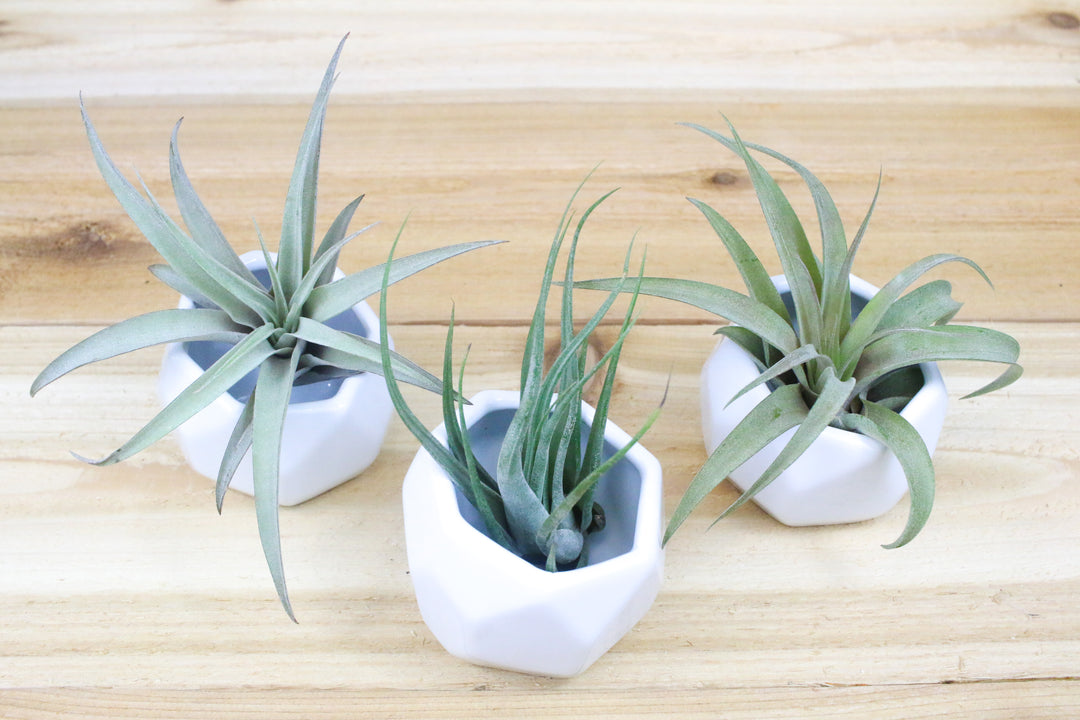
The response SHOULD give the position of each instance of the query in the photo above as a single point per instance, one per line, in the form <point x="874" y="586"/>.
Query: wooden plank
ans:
<point x="55" y="48"/>
<point x="125" y="577"/>
<point x="1039" y="700"/>
<point x="987" y="179"/>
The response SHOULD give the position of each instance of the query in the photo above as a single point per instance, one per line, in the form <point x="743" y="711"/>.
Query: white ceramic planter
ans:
<point x="488" y="606"/>
<point x="843" y="476"/>
<point x="333" y="430"/>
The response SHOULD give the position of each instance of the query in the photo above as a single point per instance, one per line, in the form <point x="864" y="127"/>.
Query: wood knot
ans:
<point x="1063" y="20"/>
<point x="88" y="239"/>
<point x="724" y="177"/>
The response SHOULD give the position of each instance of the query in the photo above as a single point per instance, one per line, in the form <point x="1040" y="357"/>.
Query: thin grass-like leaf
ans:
<point x="281" y="308"/>
<point x="588" y="484"/>
<point x="454" y="467"/>
<point x="845" y="271"/>
<point x="486" y="500"/>
<point x="141" y="331"/>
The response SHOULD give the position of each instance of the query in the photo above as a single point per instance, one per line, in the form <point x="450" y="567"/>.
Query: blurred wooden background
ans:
<point x="122" y="592"/>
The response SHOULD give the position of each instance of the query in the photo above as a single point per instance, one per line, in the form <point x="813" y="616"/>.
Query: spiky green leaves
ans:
<point x="832" y="369"/>
<point x="278" y="328"/>
<point x="538" y="503"/>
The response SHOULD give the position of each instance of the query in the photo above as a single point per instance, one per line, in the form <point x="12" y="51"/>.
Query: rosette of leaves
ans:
<point x="823" y="366"/>
<point x="538" y="501"/>
<point x="279" y="330"/>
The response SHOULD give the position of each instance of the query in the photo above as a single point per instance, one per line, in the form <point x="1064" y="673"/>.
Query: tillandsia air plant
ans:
<point x="278" y="330"/>
<point x="538" y="502"/>
<point x="823" y="366"/>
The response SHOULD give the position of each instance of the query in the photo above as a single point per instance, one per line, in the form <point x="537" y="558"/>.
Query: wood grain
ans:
<point x="125" y="577"/>
<point x="990" y="181"/>
<point x="57" y="48"/>
<point x="124" y="594"/>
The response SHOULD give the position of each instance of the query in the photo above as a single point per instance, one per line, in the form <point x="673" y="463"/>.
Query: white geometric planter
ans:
<point x="843" y="476"/>
<point x="490" y="607"/>
<point x="333" y="430"/>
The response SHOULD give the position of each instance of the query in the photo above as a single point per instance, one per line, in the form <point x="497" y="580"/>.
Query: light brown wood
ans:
<point x="124" y="594"/>
<point x="226" y="47"/>
<point x="989" y="181"/>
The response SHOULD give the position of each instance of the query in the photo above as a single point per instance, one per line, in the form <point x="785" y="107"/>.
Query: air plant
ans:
<point x="823" y="366"/>
<point x="538" y="501"/>
<point x="278" y="330"/>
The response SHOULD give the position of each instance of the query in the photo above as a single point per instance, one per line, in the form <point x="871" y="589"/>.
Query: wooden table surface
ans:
<point x="124" y="594"/>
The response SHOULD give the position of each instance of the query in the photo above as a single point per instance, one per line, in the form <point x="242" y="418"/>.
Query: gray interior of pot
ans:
<point x="617" y="492"/>
<point x="206" y="352"/>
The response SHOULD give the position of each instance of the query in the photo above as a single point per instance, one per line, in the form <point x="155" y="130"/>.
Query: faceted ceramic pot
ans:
<point x="488" y="606"/>
<point x="843" y="476"/>
<point x="333" y="429"/>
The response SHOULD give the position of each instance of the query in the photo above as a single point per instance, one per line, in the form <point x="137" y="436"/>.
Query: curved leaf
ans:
<point x="318" y="269"/>
<point x="352" y="352"/>
<point x="801" y="266"/>
<point x="457" y="470"/>
<point x="944" y="342"/>
<point x="897" y="434"/>
<point x="863" y="326"/>
<point x="177" y="249"/>
<point x="728" y="304"/>
<point x="828" y="405"/>
<point x="271" y="394"/>
<point x="177" y="282"/>
<point x="782" y="410"/>
<point x="835" y="290"/>
<point x="237" y="362"/>
<point x="758" y="283"/>
<point x="802" y="355"/>
<point x="298" y="219"/>
<point x="141" y="331"/>
<point x="235" y="449"/>
<point x="200" y="223"/>
<point x="326" y="301"/>
<point x="336" y="232"/>
<point x="926" y="305"/>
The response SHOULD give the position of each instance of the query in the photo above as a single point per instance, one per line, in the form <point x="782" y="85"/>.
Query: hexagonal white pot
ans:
<point x="333" y="430"/>
<point x="843" y="476"/>
<point x="488" y="606"/>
